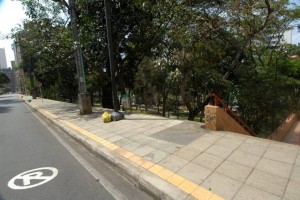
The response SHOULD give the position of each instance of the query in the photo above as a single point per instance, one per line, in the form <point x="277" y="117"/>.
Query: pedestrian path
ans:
<point x="177" y="159"/>
<point x="293" y="137"/>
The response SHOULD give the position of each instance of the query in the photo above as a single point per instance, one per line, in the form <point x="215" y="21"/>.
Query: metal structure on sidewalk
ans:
<point x="231" y="113"/>
<point x="84" y="99"/>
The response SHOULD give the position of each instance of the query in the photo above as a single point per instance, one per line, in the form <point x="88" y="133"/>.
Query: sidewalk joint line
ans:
<point x="180" y="182"/>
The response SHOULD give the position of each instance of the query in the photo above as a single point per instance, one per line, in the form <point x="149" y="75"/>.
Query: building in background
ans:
<point x="18" y="73"/>
<point x="17" y="84"/>
<point x="17" y="53"/>
<point x="275" y="40"/>
<point x="3" y="63"/>
<point x="287" y="37"/>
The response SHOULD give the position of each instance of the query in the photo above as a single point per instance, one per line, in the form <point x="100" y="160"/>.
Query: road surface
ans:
<point x="40" y="162"/>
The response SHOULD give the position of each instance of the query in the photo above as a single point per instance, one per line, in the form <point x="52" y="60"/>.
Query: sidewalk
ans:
<point x="293" y="137"/>
<point x="180" y="160"/>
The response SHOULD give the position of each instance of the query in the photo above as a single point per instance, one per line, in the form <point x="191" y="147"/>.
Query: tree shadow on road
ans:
<point x="1" y="198"/>
<point x="9" y="101"/>
<point x="5" y="109"/>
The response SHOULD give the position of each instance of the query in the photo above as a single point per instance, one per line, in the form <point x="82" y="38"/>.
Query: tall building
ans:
<point x="285" y="38"/>
<point x="16" y="78"/>
<point x="19" y="73"/>
<point x="3" y="63"/>
<point x="275" y="40"/>
<point x="17" y="53"/>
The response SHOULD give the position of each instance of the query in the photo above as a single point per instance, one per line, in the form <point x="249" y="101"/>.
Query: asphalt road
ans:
<point x="40" y="162"/>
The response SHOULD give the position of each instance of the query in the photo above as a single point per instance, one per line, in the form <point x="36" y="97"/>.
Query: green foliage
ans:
<point x="3" y="79"/>
<point x="170" y="51"/>
<point x="47" y="48"/>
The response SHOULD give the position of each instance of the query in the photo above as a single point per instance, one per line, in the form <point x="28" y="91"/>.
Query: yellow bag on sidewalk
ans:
<point x="106" y="117"/>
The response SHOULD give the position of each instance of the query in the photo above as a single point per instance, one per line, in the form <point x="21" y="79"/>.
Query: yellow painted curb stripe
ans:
<point x="187" y="186"/>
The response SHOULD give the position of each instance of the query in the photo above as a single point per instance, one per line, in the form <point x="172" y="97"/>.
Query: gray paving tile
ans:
<point x="297" y="162"/>
<point x="123" y="142"/>
<point x="236" y="136"/>
<point x="128" y="134"/>
<point x="295" y="176"/>
<point x="250" y="193"/>
<point x="200" y="145"/>
<point x="207" y="160"/>
<point x="267" y="182"/>
<point x="156" y="156"/>
<point x="212" y="136"/>
<point x="152" y="130"/>
<point x="143" y="150"/>
<point x="188" y="153"/>
<point x="115" y="138"/>
<point x="234" y="170"/>
<point x="178" y="134"/>
<point x="160" y="144"/>
<point x="132" y="146"/>
<point x="98" y="132"/>
<point x="292" y="191"/>
<point x="194" y="173"/>
<point x="88" y="127"/>
<point x="279" y="155"/>
<point x="136" y="137"/>
<point x="229" y="143"/>
<point x="254" y="148"/>
<point x="275" y="167"/>
<point x="139" y="130"/>
<point x="284" y="147"/>
<point x="258" y="141"/>
<point x="121" y="131"/>
<point x="222" y="185"/>
<point x="244" y="158"/>
<point x="93" y="129"/>
<point x="219" y="151"/>
<point x="108" y="135"/>
<point x="173" y="163"/>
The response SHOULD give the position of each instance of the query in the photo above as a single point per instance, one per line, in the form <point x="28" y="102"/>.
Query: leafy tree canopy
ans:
<point x="3" y="79"/>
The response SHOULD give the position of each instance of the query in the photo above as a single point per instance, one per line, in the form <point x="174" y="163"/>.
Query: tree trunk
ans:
<point x="107" y="101"/>
<point x="191" y="115"/>
<point x="32" y="91"/>
<point x="164" y="106"/>
<point x="92" y="97"/>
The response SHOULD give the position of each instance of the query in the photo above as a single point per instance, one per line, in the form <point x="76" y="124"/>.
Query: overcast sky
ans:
<point x="11" y="14"/>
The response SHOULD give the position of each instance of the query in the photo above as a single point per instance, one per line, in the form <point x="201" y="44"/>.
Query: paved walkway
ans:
<point x="293" y="137"/>
<point x="181" y="160"/>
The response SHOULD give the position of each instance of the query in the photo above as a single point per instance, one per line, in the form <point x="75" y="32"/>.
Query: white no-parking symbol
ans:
<point x="32" y="178"/>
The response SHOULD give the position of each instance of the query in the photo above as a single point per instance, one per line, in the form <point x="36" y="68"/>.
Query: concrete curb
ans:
<point x="142" y="178"/>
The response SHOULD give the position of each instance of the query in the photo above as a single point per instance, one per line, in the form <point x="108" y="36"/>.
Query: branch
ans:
<point x="250" y="37"/>
<point x="63" y="3"/>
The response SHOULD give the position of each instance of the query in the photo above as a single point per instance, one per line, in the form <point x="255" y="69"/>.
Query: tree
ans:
<point x="173" y="51"/>
<point x="47" y="49"/>
<point x="3" y="79"/>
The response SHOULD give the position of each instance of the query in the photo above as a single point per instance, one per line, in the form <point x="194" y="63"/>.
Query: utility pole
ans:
<point x="84" y="99"/>
<point x="31" y="77"/>
<point x="116" y="115"/>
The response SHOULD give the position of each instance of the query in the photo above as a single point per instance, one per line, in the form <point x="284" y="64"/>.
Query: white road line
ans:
<point x="95" y="173"/>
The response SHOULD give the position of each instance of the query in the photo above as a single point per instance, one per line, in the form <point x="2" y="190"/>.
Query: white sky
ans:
<point x="11" y="14"/>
